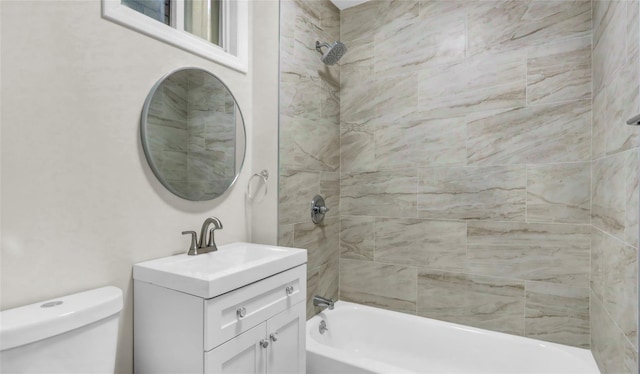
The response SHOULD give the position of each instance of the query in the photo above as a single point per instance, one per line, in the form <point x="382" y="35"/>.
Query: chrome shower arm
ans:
<point x="320" y="45"/>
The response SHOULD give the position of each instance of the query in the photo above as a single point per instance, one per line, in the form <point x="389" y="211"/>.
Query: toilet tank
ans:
<point x="71" y="334"/>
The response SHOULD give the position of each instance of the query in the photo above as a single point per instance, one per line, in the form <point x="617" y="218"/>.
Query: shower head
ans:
<point x="333" y="54"/>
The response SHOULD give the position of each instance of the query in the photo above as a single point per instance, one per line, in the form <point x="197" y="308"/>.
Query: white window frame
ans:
<point x="235" y="24"/>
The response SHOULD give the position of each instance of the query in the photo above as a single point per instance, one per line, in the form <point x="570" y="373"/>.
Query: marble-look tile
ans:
<point x="632" y="193"/>
<point x="360" y="21"/>
<point x="442" y="10"/>
<point x="409" y="44"/>
<point x="601" y="16"/>
<point x="475" y="300"/>
<point x="285" y="235"/>
<point x="536" y="134"/>
<point x="322" y="281"/>
<point x="297" y="188"/>
<point x="385" y="193"/>
<point x="608" y="50"/>
<point x="357" y="237"/>
<point x="557" y="313"/>
<point x="330" y="98"/>
<point x="357" y="147"/>
<point x="309" y="144"/>
<point x="599" y="242"/>
<point x="607" y="342"/>
<point x="559" y="193"/>
<point x="633" y="28"/>
<point x="320" y="240"/>
<point x="559" y="71"/>
<point x="630" y="358"/>
<point x="429" y="142"/>
<point x="396" y="97"/>
<point x="306" y="60"/>
<point x="330" y="191"/>
<point x="396" y="14"/>
<point x="530" y="251"/>
<point x="383" y="286"/>
<point x="358" y="100"/>
<point x="621" y="286"/>
<point x="472" y="193"/>
<point x="599" y="124"/>
<point x="357" y="64"/>
<point x="501" y="25"/>
<point x="299" y="96"/>
<point x="484" y="82"/>
<point x="330" y="19"/>
<point x="432" y="244"/>
<point x="612" y="177"/>
<point x="622" y="103"/>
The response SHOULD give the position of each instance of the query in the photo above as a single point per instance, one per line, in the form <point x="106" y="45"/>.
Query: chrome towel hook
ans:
<point x="264" y="176"/>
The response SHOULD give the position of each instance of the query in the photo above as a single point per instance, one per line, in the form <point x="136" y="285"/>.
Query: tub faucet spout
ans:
<point x="322" y="302"/>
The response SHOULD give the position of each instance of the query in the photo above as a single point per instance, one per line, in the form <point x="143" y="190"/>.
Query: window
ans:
<point x="214" y="29"/>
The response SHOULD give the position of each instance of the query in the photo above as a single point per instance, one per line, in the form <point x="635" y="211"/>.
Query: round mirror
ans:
<point x="193" y="134"/>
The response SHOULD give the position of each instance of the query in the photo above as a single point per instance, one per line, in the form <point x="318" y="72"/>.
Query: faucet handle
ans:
<point x="194" y="239"/>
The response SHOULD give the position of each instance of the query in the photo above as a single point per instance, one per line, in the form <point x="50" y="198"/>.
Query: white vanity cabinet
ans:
<point x="274" y="346"/>
<point x="256" y="328"/>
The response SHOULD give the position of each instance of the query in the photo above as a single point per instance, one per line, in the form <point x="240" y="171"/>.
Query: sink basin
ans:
<point x="212" y="274"/>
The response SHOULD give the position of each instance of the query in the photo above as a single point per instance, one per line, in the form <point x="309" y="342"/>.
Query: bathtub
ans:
<point x="362" y="339"/>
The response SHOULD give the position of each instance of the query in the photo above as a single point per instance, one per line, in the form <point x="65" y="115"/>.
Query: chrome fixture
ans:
<point x="634" y="121"/>
<point x="263" y="176"/>
<point x="198" y="247"/>
<point x="322" y="302"/>
<point x="333" y="54"/>
<point x="318" y="209"/>
<point x="323" y="327"/>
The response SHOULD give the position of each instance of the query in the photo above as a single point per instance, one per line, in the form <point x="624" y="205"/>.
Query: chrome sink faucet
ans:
<point x="322" y="302"/>
<point x="198" y="246"/>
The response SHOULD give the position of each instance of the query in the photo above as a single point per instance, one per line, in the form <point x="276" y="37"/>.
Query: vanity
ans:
<point x="240" y="309"/>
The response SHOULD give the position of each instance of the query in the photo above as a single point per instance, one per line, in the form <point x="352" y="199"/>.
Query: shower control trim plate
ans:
<point x="318" y="209"/>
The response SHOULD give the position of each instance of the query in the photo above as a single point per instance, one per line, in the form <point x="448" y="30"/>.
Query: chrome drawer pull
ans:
<point x="241" y="312"/>
<point x="274" y="336"/>
<point x="289" y="290"/>
<point x="264" y="343"/>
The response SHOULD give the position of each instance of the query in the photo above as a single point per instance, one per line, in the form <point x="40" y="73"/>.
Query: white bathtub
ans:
<point x="363" y="339"/>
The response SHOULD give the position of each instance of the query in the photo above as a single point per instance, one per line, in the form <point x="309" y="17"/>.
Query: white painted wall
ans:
<point x="80" y="205"/>
<point x="264" y="65"/>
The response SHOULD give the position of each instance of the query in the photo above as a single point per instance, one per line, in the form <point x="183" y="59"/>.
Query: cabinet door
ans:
<point x="287" y="352"/>
<point x="242" y="354"/>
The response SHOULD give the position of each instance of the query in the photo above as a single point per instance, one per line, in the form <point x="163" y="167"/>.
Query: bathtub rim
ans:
<point x="314" y="347"/>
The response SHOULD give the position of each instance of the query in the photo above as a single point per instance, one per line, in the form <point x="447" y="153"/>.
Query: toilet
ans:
<point x="71" y="334"/>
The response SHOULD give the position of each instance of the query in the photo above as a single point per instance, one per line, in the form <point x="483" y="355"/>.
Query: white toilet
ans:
<point x="71" y="334"/>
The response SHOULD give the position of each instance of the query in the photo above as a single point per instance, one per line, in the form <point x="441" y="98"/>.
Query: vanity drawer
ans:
<point x="230" y="314"/>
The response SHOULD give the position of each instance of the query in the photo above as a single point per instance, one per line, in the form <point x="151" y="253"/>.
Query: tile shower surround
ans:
<point x="310" y="140"/>
<point x="466" y="163"/>
<point x="485" y="173"/>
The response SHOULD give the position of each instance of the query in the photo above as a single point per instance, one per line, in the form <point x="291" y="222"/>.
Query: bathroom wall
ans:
<point x="465" y="163"/>
<point x="80" y="205"/>
<point x="309" y="140"/>
<point x="614" y="190"/>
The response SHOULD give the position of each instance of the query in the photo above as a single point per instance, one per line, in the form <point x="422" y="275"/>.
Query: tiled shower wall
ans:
<point x="309" y="140"/>
<point x="614" y="190"/>
<point x="466" y="163"/>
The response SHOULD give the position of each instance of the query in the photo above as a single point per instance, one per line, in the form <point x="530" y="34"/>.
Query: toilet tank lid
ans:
<point x="30" y="323"/>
